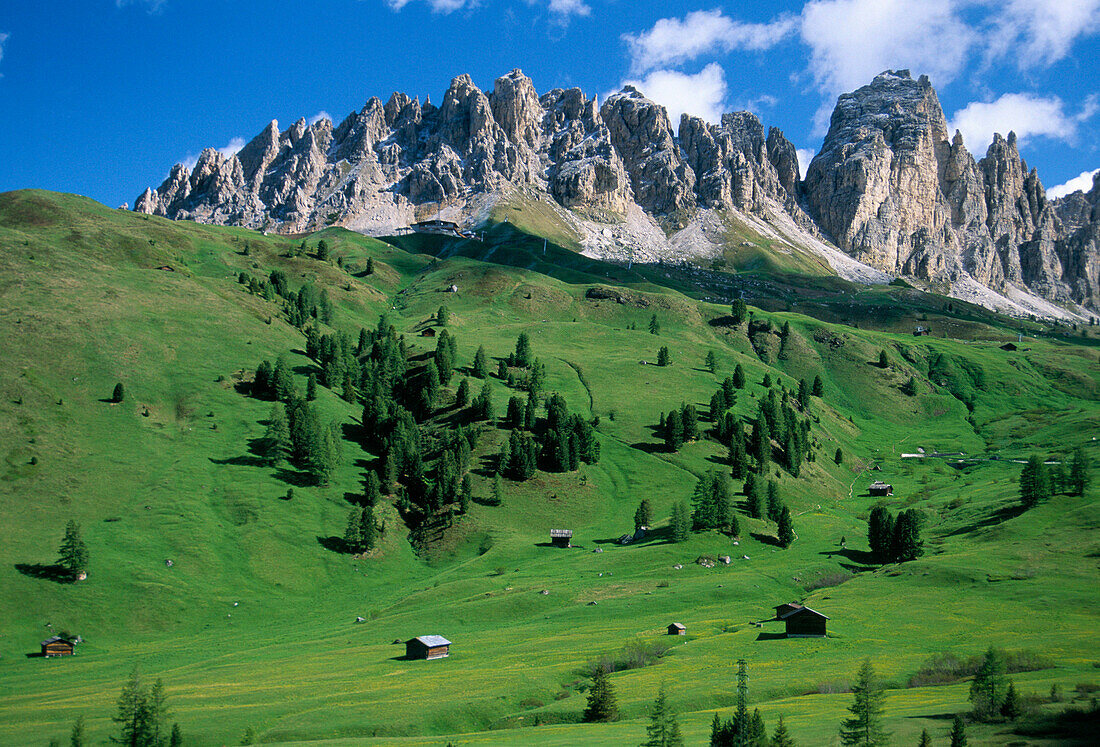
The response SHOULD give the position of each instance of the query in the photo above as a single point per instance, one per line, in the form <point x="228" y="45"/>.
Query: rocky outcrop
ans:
<point x="893" y="191"/>
<point x="890" y="187"/>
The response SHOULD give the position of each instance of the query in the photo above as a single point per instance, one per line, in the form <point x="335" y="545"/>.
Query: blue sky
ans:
<point x="101" y="97"/>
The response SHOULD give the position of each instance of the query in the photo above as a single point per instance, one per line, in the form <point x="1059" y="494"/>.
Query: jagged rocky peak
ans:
<point x="891" y="186"/>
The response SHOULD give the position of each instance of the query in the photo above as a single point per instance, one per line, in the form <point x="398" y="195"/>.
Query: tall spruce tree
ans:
<point x="989" y="686"/>
<point x="643" y="516"/>
<point x="958" y="732"/>
<point x="654" y="325"/>
<point x="785" y="529"/>
<point x="782" y="737"/>
<point x="1078" y="472"/>
<point x="663" y="729"/>
<point x="602" y="705"/>
<point x="925" y="739"/>
<point x="739" y="310"/>
<point x="276" y="440"/>
<point x="711" y="362"/>
<point x="864" y="728"/>
<point x="480" y="368"/>
<point x="73" y="554"/>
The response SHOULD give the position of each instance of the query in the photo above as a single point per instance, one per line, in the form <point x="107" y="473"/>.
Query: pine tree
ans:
<point x="711" y="362"/>
<point x="883" y="361"/>
<point x="602" y="705"/>
<point x="462" y="396"/>
<point x="654" y="325"/>
<point x="910" y="387"/>
<point x="78" y="736"/>
<point x="906" y="543"/>
<point x="643" y="516"/>
<point x="818" y="387"/>
<point x="865" y="729"/>
<point x="775" y="503"/>
<point x="1011" y="708"/>
<point x="352" y="531"/>
<point x="368" y="530"/>
<point x="1079" y="472"/>
<point x="664" y="358"/>
<point x="1034" y="482"/>
<point x="739" y="377"/>
<point x="680" y="522"/>
<point x="925" y="740"/>
<point x="322" y="250"/>
<point x="880" y="533"/>
<point x="176" y="739"/>
<point x="282" y="380"/>
<point x="141" y="713"/>
<point x="739" y="310"/>
<point x="118" y="394"/>
<point x="442" y="316"/>
<point x="522" y="358"/>
<point x="663" y="729"/>
<point x="782" y="737"/>
<point x="988" y="688"/>
<point x="958" y="732"/>
<point x="276" y="440"/>
<point x="480" y="368"/>
<point x="785" y="530"/>
<point x="73" y="553"/>
<point x="674" y="431"/>
<point x="838" y="457"/>
<point x="803" y="395"/>
<point x="311" y="388"/>
<point x="370" y="266"/>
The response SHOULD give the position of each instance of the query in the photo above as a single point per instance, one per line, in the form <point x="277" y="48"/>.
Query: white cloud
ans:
<point x="318" y="117"/>
<point x="1038" y="33"/>
<point x="232" y="147"/>
<point x="562" y="9"/>
<point x="851" y="41"/>
<point x="805" y="155"/>
<point x="3" y="38"/>
<point x="437" y="6"/>
<point x="672" y="41"/>
<point x="1081" y="182"/>
<point x="702" y="94"/>
<point x="1028" y="115"/>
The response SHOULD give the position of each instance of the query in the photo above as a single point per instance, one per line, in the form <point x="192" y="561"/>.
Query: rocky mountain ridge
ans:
<point x="889" y="188"/>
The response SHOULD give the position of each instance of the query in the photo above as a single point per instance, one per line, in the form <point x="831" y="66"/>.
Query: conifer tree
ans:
<point x="664" y="358"/>
<point x="739" y="377"/>
<point x="906" y="543"/>
<point x="442" y="316"/>
<point x="118" y="394"/>
<point x="480" y="368"/>
<point x="1034" y="482"/>
<point x="78" y="736"/>
<point x="803" y="395"/>
<point x="925" y="740"/>
<point x="883" y="361"/>
<point x="498" y="489"/>
<point x="311" y="388"/>
<point x="775" y="503"/>
<point x="663" y="729"/>
<point x="785" y="529"/>
<point x="739" y="310"/>
<point x="864" y="728"/>
<point x="674" y="431"/>
<point x="711" y="362"/>
<point x="766" y="382"/>
<point x="282" y="380"/>
<point x="353" y="531"/>
<point x="838" y="457"/>
<point x="522" y="357"/>
<point x="643" y="515"/>
<point x="373" y="492"/>
<point x="958" y="732"/>
<point x="73" y="555"/>
<point x="1079" y="472"/>
<point x="989" y="686"/>
<point x="370" y="266"/>
<point x="880" y="533"/>
<point x="368" y="530"/>
<point x="782" y="737"/>
<point x="818" y="387"/>
<point x="1011" y="708"/>
<point x="530" y="411"/>
<point x="602" y="705"/>
<point x="654" y="325"/>
<point x="462" y="396"/>
<point x="680" y="521"/>
<point x="276" y="440"/>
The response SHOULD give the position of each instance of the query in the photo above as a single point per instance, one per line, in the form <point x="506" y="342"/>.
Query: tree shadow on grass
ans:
<point x="765" y="539"/>
<point x="333" y="544"/>
<point x="1000" y="515"/>
<point x="862" y="557"/>
<point x="661" y="535"/>
<point x="244" y="460"/>
<point x="294" y="477"/>
<point x="46" y="572"/>
<point x="650" y="448"/>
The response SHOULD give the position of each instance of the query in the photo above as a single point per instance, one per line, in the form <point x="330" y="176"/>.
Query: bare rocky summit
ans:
<point x="891" y="187"/>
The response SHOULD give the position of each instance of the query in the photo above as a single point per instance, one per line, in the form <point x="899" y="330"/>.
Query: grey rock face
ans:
<point x="893" y="191"/>
<point x="889" y="186"/>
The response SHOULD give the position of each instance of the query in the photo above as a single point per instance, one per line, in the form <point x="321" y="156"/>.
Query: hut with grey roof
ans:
<point x="427" y="647"/>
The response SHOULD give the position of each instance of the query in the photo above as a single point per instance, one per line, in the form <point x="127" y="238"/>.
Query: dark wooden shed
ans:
<point x="881" y="488"/>
<point x="1009" y="346"/>
<point x="58" y="646"/>
<point x="427" y="647"/>
<point x="677" y="629"/>
<point x="800" y="621"/>
<point x="427" y="332"/>
<point x="561" y="537"/>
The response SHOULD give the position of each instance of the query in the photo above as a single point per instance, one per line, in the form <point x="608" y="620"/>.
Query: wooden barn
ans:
<point x="881" y="488"/>
<point x="561" y="537"/>
<point x="801" y="621"/>
<point x="677" y="629"/>
<point x="427" y="647"/>
<point x="427" y="332"/>
<point x="58" y="646"/>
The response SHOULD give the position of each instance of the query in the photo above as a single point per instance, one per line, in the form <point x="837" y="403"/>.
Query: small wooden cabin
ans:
<point x="561" y="537"/>
<point x="427" y="332"/>
<point x="881" y="488"/>
<point x="801" y="621"/>
<point x="427" y="647"/>
<point x="1009" y="346"/>
<point x="58" y="646"/>
<point x="677" y="629"/>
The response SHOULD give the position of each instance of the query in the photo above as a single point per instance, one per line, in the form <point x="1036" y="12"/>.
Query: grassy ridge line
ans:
<point x="289" y="661"/>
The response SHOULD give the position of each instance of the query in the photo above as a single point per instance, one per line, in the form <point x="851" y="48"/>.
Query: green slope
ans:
<point x="253" y="624"/>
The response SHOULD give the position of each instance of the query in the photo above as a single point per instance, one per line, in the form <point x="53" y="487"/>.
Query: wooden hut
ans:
<point x="881" y="488"/>
<point x="677" y="629"/>
<point x="427" y="647"/>
<point x="561" y="537"/>
<point x="800" y="621"/>
<point x="1009" y="346"/>
<point x="58" y="646"/>
<point x="427" y="332"/>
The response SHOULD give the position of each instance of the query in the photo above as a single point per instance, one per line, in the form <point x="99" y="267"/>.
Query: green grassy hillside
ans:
<point x="253" y="625"/>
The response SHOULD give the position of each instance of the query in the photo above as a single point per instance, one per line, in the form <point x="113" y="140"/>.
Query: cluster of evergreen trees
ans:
<point x="294" y="429"/>
<point x="764" y="502"/>
<point x="713" y="504"/>
<point x="993" y="695"/>
<point x="743" y="728"/>
<point x="1039" y="481"/>
<point x="143" y="716"/>
<point x="679" y="427"/>
<point x="894" y="540"/>
<point x="560" y="443"/>
<point x="301" y="306"/>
